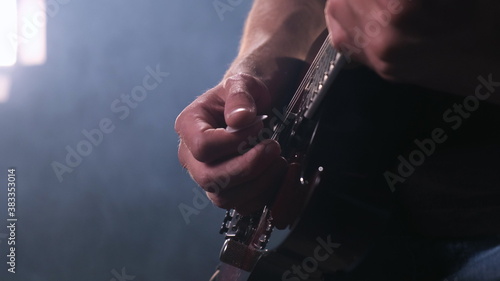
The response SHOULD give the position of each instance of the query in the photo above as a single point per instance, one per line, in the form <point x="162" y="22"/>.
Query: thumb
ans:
<point x="244" y="98"/>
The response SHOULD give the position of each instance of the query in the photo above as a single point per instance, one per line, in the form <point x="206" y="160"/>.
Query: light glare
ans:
<point x="5" y="82"/>
<point x="32" y="32"/>
<point x="8" y="32"/>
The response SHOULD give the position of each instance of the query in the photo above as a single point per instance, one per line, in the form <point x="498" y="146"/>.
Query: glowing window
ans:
<point x="23" y="30"/>
<point x="32" y="32"/>
<point x="23" y="37"/>
<point x="8" y="32"/>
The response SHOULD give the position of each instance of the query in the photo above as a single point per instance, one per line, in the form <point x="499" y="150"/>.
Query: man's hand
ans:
<point x="231" y="167"/>
<point x="215" y="158"/>
<point x="441" y="44"/>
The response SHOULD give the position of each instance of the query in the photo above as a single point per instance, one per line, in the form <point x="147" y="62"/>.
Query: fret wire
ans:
<point x="325" y="55"/>
<point x="310" y="72"/>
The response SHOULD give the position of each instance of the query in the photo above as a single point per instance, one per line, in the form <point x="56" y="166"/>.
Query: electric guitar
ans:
<point x="342" y="129"/>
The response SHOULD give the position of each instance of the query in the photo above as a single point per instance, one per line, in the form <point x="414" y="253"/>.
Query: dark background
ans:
<point x="118" y="210"/>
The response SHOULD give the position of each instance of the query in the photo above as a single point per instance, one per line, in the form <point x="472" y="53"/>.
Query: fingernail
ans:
<point x="239" y="109"/>
<point x="269" y="146"/>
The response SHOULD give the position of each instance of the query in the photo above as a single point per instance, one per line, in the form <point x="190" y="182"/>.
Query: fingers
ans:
<point x="261" y="191"/>
<point x="233" y="103"/>
<point x="253" y="195"/>
<point x="366" y="31"/>
<point x="231" y="166"/>
<point x="345" y="28"/>
<point x="232" y="172"/>
<point x="201" y="128"/>
<point x="238" y="181"/>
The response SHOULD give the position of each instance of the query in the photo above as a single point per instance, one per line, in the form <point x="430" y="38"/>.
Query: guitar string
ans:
<point x="300" y="89"/>
<point x="325" y="51"/>
<point x="310" y="73"/>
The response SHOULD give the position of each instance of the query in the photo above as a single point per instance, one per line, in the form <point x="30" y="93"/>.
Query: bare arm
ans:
<point x="276" y="31"/>
<point x="286" y="27"/>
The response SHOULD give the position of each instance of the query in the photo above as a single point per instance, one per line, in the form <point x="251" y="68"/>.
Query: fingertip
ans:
<point x="271" y="147"/>
<point x="245" y="96"/>
<point x="240" y="117"/>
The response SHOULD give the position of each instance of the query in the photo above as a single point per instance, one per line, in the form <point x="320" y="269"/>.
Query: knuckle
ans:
<point x="202" y="150"/>
<point x="251" y="161"/>
<point x="181" y="155"/>
<point x="387" y="70"/>
<point x="249" y="84"/>
<point x="384" y="57"/>
<point x="204" y="182"/>
<point x="236" y="83"/>
<point x="240" y="78"/>
<point x="179" y="123"/>
<point x="332" y="6"/>
<point x="408" y="11"/>
<point x="338" y="38"/>
<point x="213" y="183"/>
<point x="220" y="201"/>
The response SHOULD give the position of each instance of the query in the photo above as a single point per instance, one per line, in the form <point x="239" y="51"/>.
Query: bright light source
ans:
<point x="8" y="32"/>
<point x="32" y="22"/>
<point x="23" y="32"/>
<point x="23" y="37"/>
<point x="5" y="82"/>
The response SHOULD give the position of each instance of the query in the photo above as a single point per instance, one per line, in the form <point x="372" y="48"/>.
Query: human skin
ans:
<point x="442" y="45"/>
<point x="275" y="31"/>
<point x="434" y="44"/>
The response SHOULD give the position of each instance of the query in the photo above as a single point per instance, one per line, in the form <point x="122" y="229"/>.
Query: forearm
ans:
<point x="278" y="36"/>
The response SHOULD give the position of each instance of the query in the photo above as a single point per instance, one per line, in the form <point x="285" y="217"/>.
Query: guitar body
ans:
<point x="341" y="203"/>
<point x="361" y="130"/>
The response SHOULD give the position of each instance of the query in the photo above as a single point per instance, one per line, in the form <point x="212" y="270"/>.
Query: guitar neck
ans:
<point x="247" y="236"/>
<point x="314" y="86"/>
